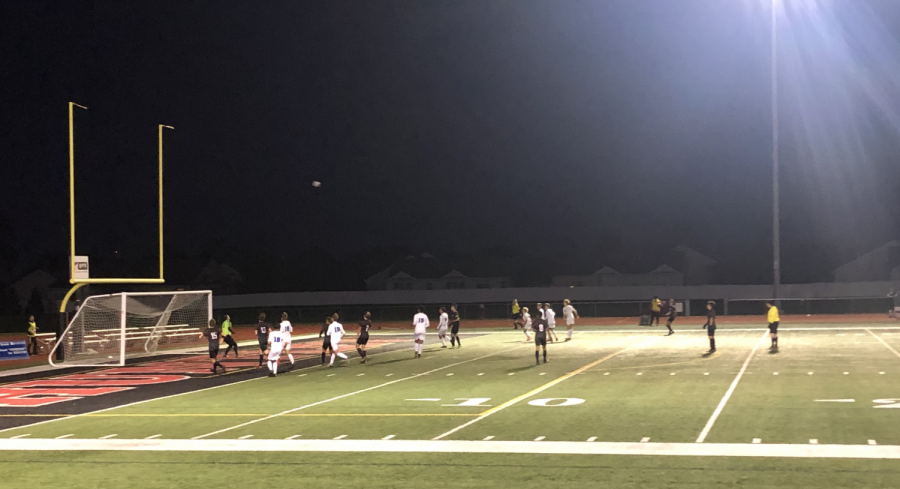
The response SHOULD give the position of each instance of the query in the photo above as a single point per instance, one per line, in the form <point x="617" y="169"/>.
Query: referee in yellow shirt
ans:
<point x="774" y="319"/>
<point x="516" y="313"/>
<point x="655" y="306"/>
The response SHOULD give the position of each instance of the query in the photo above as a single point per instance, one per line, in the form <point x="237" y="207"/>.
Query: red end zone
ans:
<point x="36" y="393"/>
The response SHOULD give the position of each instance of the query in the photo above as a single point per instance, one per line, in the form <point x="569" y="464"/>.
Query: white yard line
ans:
<point x="151" y="437"/>
<point x="107" y="437"/>
<point x="883" y="343"/>
<point x="724" y="401"/>
<point x="464" y="446"/>
<point x="351" y="394"/>
<point x="543" y="388"/>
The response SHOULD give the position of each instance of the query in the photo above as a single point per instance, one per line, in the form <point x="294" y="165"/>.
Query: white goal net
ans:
<point x="109" y="328"/>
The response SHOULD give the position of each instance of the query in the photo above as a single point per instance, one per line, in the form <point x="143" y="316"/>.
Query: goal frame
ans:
<point x="122" y="323"/>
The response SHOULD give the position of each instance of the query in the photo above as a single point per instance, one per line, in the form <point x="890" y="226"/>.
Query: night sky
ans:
<point x="548" y="128"/>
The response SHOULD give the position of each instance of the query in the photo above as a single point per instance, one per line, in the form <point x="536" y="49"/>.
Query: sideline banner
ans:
<point x="13" y="350"/>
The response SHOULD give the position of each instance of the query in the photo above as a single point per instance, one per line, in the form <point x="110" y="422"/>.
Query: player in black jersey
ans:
<point x="540" y="327"/>
<point x="362" y="338"/>
<point x="454" y="327"/>
<point x="710" y="325"/>
<point x="326" y="345"/>
<point x="671" y="313"/>
<point x="262" y="336"/>
<point x="214" y="336"/>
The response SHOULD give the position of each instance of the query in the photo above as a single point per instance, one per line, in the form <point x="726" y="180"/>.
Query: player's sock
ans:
<point x="442" y="341"/>
<point x="323" y="358"/>
<point x="260" y="360"/>
<point x="332" y="360"/>
<point x="458" y="341"/>
<point x="362" y="353"/>
<point x="275" y="367"/>
<point x="712" y="344"/>
<point x="359" y="351"/>
<point x="537" y="357"/>
<point x="569" y="334"/>
<point x="291" y="357"/>
<point x="545" y="356"/>
<point x="342" y="355"/>
<point x="453" y="341"/>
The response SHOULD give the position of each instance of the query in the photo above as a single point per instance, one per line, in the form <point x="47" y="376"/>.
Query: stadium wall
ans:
<point x="824" y="290"/>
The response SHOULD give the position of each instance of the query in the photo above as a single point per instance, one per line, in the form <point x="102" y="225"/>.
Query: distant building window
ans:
<point x="482" y="285"/>
<point x="456" y="285"/>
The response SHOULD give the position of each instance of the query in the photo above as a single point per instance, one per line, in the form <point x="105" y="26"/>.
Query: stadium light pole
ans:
<point x="776" y="226"/>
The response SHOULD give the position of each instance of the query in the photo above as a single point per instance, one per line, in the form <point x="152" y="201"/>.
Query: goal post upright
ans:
<point x="77" y="283"/>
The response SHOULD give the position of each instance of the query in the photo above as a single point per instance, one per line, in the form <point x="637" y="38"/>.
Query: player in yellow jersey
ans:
<point x="774" y="319"/>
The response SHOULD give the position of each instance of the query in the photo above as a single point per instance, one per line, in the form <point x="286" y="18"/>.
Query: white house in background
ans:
<point x="882" y="263"/>
<point x="426" y="272"/>
<point x="608" y="277"/>
<point x="698" y="269"/>
<point x="220" y="277"/>
<point x="38" y="280"/>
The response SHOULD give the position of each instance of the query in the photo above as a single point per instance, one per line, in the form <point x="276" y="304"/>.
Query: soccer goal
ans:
<point x="108" y="328"/>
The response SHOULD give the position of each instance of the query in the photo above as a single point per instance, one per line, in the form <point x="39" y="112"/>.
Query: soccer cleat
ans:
<point x="545" y="360"/>
<point x="568" y="339"/>
<point x="444" y="346"/>
<point x="213" y="370"/>
<point x="271" y="374"/>
<point x="362" y="361"/>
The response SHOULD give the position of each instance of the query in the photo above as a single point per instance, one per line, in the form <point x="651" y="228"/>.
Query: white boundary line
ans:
<point x="464" y="446"/>
<point x="721" y="406"/>
<point x="544" y="387"/>
<point x="883" y="342"/>
<point x="352" y="394"/>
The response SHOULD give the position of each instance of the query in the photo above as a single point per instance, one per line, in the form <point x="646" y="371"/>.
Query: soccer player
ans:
<point x="774" y="319"/>
<point x="286" y="330"/>
<point x="326" y="344"/>
<point x="275" y="344"/>
<point x="540" y="339"/>
<point x="454" y="326"/>
<point x="420" y="323"/>
<point x="442" y="326"/>
<point x="671" y="313"/>
<point x="32" y="336"/>
<point x="570" y="314"/>
<point x="362" y="339"/>
<point x="262" y="336"/>
<point x="550" y="316"/>
<point x="213" y="335"/>
<point x="226" y="336"/>
<point x="710" y="325"/>
<point x="335" y="333"/>
<point x="527" y="326"/>
<point x="516" y="313"/>
<point x="655" y="306"/>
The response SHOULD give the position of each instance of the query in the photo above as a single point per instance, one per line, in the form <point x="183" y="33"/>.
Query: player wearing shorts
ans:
<point x="516" y="313"/>
<point x="286" y="330"/>
<point x="655" y="306"/>
<point x="275" y="344"/>
<point x="454" y="326"/>
<point x="262" y="337"/>
<point x="326" y="344"/>
<point x="710" y="325"/>
<point x="213" y="335"/>
<point x="550" y="316"/>
<point x="540" y="339"/>
<point x="526" y="327"/>
<point x="774" y="319"/>
<point x="362" y="339"/>
<point x="443" y="324"/>
<point x="335" y="333"/>
<point x="570" y="313"/>
<point x="420" y="324"/>
<point x="670" y="314"/>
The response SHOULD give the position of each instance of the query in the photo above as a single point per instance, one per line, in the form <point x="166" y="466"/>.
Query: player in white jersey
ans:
<point x="570" y="314"/>
<point x="442" y="327"/>
<point x="420" y="323"/>
<point x="526" y="319"/>
<point x="286" y="330"/>
<point x="550" y="316"/>
<point x="276" y="344"/>
<point x="336" y="332"/>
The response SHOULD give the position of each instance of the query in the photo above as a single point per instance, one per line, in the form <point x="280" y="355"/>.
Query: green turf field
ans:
<point x="826" y="386"/>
